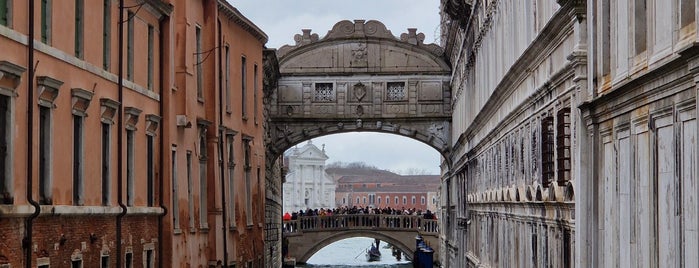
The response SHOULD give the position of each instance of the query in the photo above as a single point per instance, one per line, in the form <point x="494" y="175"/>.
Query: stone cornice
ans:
<point x="131" y="114"/>
<point x="108" y="109"/>
<point x="48" y="90"/>
<point x="80" y="100"/>
<point x="12" y="72"/>
<point x="152" y="123"/>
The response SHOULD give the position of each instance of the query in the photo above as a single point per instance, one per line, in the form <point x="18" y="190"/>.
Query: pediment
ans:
<point x="361" y="47"/>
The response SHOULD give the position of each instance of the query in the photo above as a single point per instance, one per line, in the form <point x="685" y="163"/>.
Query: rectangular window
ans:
<point x="106" y="33"/>
<point x="46" y="21"/>
<point x="198" y="64"/>
<point x="324" y="92"/>
<point x="106" y="159"/>
<point x="150" y="170"/>
<point x="78" y="184"/>
<point x="227" y="76"/>
<point x="129" y="45"/>
<point x="248" y="183"/>
<point x="151" y="33"/>
<point x="547" y="143"/>
<point x="203" y="184"/>
<point x="149" y="259"/>
<point x="231" y="181"/>
<point x="104" y="262"/>
<point x="5" y="12"/>
<point x="563" y="145"/>
<point x="130" y="191"/>
<point x="45" y="155"/>
<point x="175" y="192"/>
<point x="243" y="85"/>
<point x="254" y="93"/>
<point x="79" y="21"/>
<point x="129" y="260"/>
<point x="640" y="26"/>
<point x="190" y="192"/>
<point x="396" y="199"/>
<point x="6" y="193"/>
<point x="76" y="264"/>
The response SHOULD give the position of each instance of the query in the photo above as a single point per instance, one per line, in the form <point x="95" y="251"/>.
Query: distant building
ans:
<point x="379" y="188"/>
<point x="307" y="185"/>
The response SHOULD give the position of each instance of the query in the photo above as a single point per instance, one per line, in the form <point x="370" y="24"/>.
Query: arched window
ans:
<point x="405" y="200"/>
<point x="413" y="200"/>
<point x="422" y="200"/>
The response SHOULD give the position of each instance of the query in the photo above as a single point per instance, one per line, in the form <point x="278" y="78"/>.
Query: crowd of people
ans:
<point x="345" y="210"/>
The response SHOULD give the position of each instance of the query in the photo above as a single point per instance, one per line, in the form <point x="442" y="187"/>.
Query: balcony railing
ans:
<point x="379" y="222"/>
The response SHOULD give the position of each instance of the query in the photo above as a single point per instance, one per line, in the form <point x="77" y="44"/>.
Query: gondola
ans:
<point x="373" y="253"/>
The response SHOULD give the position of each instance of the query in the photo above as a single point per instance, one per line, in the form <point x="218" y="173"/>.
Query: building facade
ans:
<point x="574" y="140"/>
<point x="306" y="184"/>
<point x="168" y="94"/>
<point x="382" y="189"/>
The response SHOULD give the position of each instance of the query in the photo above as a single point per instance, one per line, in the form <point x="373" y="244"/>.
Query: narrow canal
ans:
<point x="351" y="253"/>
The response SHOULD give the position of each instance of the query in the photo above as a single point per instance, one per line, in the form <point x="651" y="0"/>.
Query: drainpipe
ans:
<point x="120" y="131"/>
<point x="161" y="108"/>
<point x="221" y="147"/>
<point x="27" y="241"/>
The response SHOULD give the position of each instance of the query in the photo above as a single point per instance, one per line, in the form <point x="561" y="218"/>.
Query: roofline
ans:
<point x="237" y="17"/>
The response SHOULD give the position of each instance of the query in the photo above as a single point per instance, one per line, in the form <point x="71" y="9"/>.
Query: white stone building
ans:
<point x="307" y="185"/>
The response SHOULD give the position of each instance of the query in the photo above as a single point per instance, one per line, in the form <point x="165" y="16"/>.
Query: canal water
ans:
<point x="350" y="253"/>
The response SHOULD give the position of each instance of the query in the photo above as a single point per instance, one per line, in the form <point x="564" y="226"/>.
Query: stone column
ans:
<point x="302" y="184"/>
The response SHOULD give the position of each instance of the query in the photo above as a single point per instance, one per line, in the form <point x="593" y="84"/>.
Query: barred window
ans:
<point x="324" y="92"/>
<point x="563" y="145"/>
<point x="547" y="143"/>
<point x="395" y="91"/>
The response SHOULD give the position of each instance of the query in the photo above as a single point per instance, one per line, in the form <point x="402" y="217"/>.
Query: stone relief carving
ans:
<point x="360" y="110"/>
<point x="438" y="131"/>
<point x="359" y="91"/>
<point x="359" y="54"/>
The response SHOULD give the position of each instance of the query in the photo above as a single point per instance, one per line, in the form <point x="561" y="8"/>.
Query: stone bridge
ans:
<point x="307" y="235"/>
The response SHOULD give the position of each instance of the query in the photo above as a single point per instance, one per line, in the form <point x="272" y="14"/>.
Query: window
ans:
<point x="547" y="169"/>
<point x="422" y="200"/>
<point x="395" y="91"/>
<point x="357" y="200"/>
<point x="106" y="166"/>
<point x="231" y="181"/>
<point x="203" y="189"/>
<point x="45" y="155"/>
<point x="79" y="20"/>
<point x="227" y="76"/>
<point x="364" y="199"/>
<point x="563" y="145"/>
<point x="150" y="170"/>
<point x="6" y="12"/>
<point x="378" y="200"/>
<point x="46" y="21"/>
<point x="151" y="32"/>
<point x="76" y="264"/>
<point x="405" y="200"/>
<point x="78" y="183"/>
<point x="149" y="260"/>
<point x="190" y="193"/>
<point x="198" y="64"/>
<point x="106" y="33"/>
<point x="254" y="93"/>
<point x="243" y="85"/>
<point x="324" y="92"/>
<point x="6" y="192"/>
<point x="248" y="182"/>
<point x="412" y="200"/>
<point x="175" y="191"/>
<point x="129" y="45"/>
<point x="388" y="201"/>
<point x="104" y="261"/>
<point x="640" y="26"/>
<point x="344" y="200"/>
<point x="129" y="260"/>
<point x="396" y="199"/>
<point x="687" y="9"/>
<point x="130" y="167"/>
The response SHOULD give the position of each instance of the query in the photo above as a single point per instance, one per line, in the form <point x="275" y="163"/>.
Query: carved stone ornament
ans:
<point x="360" y="110"/>
<point x="108" y="109"/>
<point x="11" y="72"/>
<point x="152" y="123"/>
<point x="48" y="90"/>
<point x="131" y="114"/>
<point x="359" y="91"/>
<point x="80" y="100"/>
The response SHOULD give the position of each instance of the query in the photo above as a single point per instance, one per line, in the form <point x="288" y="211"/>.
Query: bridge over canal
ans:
<point x="307" y="235"/>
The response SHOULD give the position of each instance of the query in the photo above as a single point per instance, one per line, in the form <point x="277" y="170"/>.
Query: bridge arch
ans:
<point x="403" y="246"/>
<point x="358" y="77"/>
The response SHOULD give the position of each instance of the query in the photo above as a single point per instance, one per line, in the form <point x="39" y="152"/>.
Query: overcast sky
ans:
<point x="282" y="19"/>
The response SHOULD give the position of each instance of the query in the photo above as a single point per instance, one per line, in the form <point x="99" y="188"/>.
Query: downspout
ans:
<point x="120" y="131"/>
<point x="221" y="147"/>
<point x="27" y="241"/>
<point x="161" y="108"/>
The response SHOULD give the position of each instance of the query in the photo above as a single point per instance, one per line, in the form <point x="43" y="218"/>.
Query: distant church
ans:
<point x="307" y="185"/>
